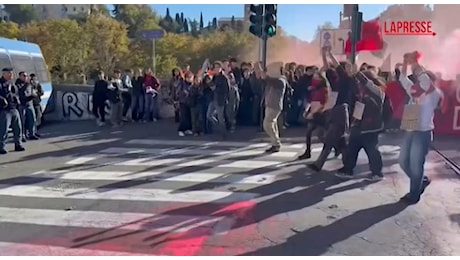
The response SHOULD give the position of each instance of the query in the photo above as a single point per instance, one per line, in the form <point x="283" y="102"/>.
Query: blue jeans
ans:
<point x="412" y="157"/>
<point x="137" y="107"/>
<point x="151" y="106"/>
<point x="10" y="117"/>
<point x="28" y="120"/>
<point x="216" y="116"/>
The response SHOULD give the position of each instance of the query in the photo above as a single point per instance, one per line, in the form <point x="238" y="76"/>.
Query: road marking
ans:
<point x="82" y="160"/>
<point x="205" y="143"/>
<point x="136" y="194"/>
<point x="199" y="177"/>
<point x="20" y="249"/>
<point x="183" y="162"/>
<point x="113" y="220"/>
<point x="211" y="152"/>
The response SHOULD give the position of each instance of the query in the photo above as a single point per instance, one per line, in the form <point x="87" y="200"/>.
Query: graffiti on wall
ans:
<point x="76" y="105"/>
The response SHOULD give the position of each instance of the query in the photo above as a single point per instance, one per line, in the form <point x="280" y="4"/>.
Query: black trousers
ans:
<point x="99" y="109"/>
<point x="185" y="118"/>
<point x="369" y="142"/>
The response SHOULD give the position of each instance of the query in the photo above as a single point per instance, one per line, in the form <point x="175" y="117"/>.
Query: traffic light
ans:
<point x="270" y="20"/>
<point x="357" y="22"/>
<point x="256" y="19"/>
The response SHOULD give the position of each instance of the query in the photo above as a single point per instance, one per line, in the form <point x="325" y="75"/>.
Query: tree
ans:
<point x="214" y="23"/>
<point x="108" y="41"/>
<point x="201" y="21"/>
<point x="169" y="25"/>
<point x="194" y="28"/>
<point x="137" y="18"/>
<point x="177" y="19"/>
<point x="233" y="23"/>
<point x="9" y="30"/>
<point x="63" y="45"/>
<point x="21" y="14"/>
<point x="186" y="29"/>
<point x="182" y="19"/>
<point x="168" y="16"/>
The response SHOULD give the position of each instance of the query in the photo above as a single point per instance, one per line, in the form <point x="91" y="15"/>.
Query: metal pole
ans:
<point x="153" y="56"/>
<point x="264" y="40"/>
<point x="354" y="34"/>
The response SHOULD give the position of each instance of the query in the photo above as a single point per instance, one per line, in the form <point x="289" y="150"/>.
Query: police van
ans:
<point x="27" y="57"/>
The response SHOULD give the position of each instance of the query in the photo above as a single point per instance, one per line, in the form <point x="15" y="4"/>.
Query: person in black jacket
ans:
<point x="115" y="98"/>
<point x="217" y="107"/>
<point x="196" y="96"/>
<point x="9" y="113"/>
<point x="137" y="108"/>
<point x="367" y="124"/>
<point x="38" y="92"/>
<point x="99" y="98"/>
<point x="26" y="108"/>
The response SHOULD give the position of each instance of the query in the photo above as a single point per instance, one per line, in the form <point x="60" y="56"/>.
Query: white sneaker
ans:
<point x="188" y="132"/>
<point x="181" y="133"/>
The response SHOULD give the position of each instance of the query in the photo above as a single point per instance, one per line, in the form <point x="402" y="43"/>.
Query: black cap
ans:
<point x="7" y="69"/>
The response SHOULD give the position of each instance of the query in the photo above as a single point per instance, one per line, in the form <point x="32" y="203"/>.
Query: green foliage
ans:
<point x="21" y="14"/>
<point x="9" y="30"/>
<point x="85" y="44"/>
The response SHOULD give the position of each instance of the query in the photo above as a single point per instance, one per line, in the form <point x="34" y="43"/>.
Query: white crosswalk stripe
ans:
<point x="157" y="174"/>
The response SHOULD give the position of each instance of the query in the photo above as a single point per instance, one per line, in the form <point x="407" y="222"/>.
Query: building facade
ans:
<point x="61" y="11"/>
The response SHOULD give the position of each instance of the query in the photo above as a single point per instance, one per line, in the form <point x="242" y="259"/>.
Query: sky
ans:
<point x="297" y="20"/>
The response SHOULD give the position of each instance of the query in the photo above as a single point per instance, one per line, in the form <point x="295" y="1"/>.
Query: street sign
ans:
<point x="334" y="38"/>
<point x="152" y="34"/>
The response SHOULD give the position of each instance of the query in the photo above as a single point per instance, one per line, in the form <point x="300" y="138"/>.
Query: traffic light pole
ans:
<point x="354" y="33"/>
<point x="263" y="42"/>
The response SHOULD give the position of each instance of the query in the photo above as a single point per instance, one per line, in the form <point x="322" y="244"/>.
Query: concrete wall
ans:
<point x="72" y="102"/>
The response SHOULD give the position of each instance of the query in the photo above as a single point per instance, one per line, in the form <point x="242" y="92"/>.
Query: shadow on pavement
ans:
<point x="317" y="240"/>
<point x="455" y="218"/>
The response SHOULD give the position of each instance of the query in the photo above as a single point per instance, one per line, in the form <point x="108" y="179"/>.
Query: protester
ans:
<point x="100" y="95"/>
<point x="183" y="97"/>
<point x="314" y="112"/>
<point x="273" y="100"/>
<point x="216" y="110"/>
<point x="425" y="98"/>
<point x="367" y="123"/>
<point x="138" y="93"/>
<point x="115" y="90"/>
<point x="197" y="101"/>
<point x="151" y="86"/>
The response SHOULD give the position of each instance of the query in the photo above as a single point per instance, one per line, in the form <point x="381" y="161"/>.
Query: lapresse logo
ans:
<point x="408" y="28"/>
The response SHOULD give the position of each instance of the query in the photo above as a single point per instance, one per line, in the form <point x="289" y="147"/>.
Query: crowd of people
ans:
<point x="350" y="105"/>
<point x="20" y="108"/>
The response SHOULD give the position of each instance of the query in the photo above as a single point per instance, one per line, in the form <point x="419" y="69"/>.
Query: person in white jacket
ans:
<point x="425" y="98"/>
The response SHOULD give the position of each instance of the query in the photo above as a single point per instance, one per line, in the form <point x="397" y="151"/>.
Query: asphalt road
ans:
<point x="141" y="190"/>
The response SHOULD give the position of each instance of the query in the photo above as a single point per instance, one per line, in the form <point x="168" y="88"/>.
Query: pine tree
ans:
<point x="182" y="19"/>
<point x="186" y="30"/>
<point x="168" y="16"/>
<point x="178" y="18"/>
<point x="214" y="23"/>
<point x="201" y="21"/>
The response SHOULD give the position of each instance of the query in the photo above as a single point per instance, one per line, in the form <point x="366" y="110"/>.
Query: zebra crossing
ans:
<point x="118" y="200"/>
